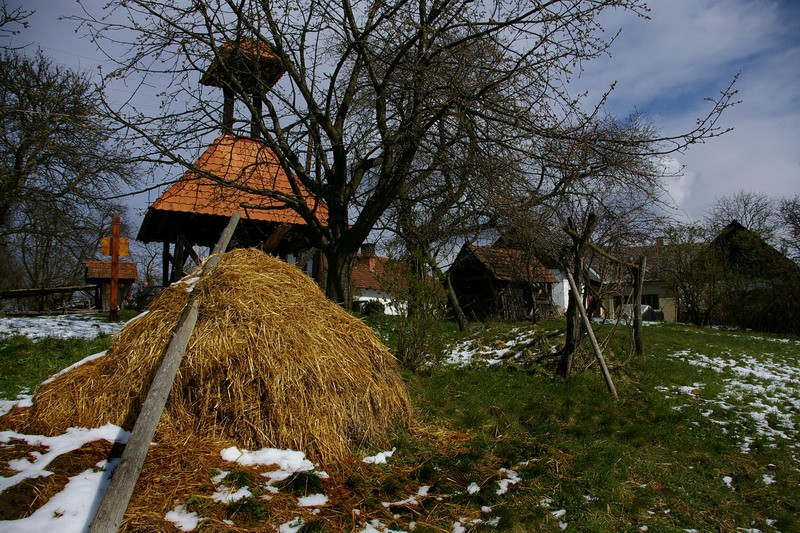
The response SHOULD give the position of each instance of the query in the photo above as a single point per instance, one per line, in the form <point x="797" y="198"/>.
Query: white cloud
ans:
<point x="691" y="50"/>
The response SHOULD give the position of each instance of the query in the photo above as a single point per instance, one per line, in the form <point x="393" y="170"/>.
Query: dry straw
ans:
<point x="271" y="363"/>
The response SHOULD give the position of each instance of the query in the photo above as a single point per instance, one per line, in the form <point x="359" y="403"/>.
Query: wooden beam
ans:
<point x="588" y="324"/>
<point x="189" y="249"/>
<point x="274" y="240"/>
<point x="114" y="296"/>
<point x="112" y="508"/>
<point x="40" y="291"/>
<point x="166" y="259"/>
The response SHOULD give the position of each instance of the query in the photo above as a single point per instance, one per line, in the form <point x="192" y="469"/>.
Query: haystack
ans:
<point x="271" y="363"/>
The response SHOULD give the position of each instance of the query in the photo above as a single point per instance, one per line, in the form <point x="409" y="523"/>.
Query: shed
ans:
<point x="501" y="283"/>
<point x="99" y="273"/>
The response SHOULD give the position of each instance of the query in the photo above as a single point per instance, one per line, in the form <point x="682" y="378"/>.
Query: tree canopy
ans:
<point x="373" y="90"/>
<point x="58" y="164"/>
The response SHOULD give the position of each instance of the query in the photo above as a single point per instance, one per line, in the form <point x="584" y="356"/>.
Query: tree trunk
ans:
<point x="461" y="318"/>
<point x="574" y="333"/>
<point x="638" y="343"/>
<point x="337" y="281"/>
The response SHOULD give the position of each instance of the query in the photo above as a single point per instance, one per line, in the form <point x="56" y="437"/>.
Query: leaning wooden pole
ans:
<point x="638" y="282"/>
<point x="597" y="351"/>
<point x="112" y="508"/>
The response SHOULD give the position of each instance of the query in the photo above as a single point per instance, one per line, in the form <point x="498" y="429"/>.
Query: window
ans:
<point x="651" y="300"/>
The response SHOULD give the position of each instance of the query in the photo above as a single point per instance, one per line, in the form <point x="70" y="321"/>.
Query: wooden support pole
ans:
<point x="275" y="238"/>
<point x="189" y="250"/>
<point x="112" y="508"/>
<point x="638" y="282"/>
<point x="114" y="304"/>
<point x="588" y="323"/>
<point x="227" y="111"/>
<point x="165" y="260"/>
<point x="255" y="119"/>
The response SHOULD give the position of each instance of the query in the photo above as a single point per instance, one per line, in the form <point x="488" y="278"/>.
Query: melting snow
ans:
<point x="768" y="385"/>
<point x="513" y="477"/>
<point x="73" y="439"/>
<point x="380" y="458"/>
<point x="62" y="327"/>
<point x="313" y="500"/>
<point x="182" y="518"/>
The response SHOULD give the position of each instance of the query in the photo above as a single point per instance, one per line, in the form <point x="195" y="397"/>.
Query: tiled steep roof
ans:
<point x="246" y="163"/>
<point x="509" y="265"/>
<point x="369" y="272"/>
<point x="101" y="270"/>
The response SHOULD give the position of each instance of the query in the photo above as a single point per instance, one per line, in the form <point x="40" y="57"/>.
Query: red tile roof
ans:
<point x="244" y="162"/>
<point x="369" y="272"/>
<point x="509" y="265"/>
<point x="101" y="270"/>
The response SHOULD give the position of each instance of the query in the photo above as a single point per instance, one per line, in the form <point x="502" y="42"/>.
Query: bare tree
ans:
<point x="16" y="18"/>
<point x="56" y="166"/>
<point x="790" y="218"/>
<point x="755" y="211"/>
<point x="370" y="83"/>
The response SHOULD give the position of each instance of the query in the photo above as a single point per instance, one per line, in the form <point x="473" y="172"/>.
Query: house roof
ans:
<point x="658" y="257"/>
<point x="199" y="207"/>
<point x="750" y="255"/>
<point x="242" y="162"/>
<point x="248" y="59"/>
<point x="370" y="272"/>
<point x="508" y="264"/>
<point x="101" y="271"/>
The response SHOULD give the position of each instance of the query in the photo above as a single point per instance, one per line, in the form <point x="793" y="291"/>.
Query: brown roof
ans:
<point x="250" y="60"/>
<point x="101" y="270"/>
<point x="244" y="162"/>
<point x="509" y="265"/>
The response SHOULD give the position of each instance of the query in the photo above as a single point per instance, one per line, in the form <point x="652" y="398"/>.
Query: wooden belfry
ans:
<point x="194" y="211"/>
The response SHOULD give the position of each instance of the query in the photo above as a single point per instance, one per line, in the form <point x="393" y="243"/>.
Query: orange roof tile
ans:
<point x="101" y="270"/>
<point x="245" y="162"/>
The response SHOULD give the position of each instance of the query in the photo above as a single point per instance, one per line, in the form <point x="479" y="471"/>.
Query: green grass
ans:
<point x="26" y="363"/>
<point x="659" y="457"/>
<point x="652" y="459"/>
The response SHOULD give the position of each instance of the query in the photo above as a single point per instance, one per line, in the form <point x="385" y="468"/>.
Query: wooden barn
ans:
<point x="99" y="273"/>
<point x="226" y="179"/>
<point x="501" y="284"/>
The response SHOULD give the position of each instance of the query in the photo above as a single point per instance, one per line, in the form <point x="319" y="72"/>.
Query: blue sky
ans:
<point x="664" y="67"/>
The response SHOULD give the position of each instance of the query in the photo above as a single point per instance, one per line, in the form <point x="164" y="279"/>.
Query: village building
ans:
<point x="658" y="299"/>
<point x="493" y="283"/>
<point x="374" y="280"/>
<point x="99" y="273"/>
<point x="228" y="177"/>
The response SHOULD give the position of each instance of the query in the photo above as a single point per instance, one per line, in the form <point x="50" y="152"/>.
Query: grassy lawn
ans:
<point x="703" y="438"/>
<point x="690" y="445"/>
<point x="26" y="363"/>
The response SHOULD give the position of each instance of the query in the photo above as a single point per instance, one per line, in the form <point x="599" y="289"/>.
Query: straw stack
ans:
<point x="271" y="363"/>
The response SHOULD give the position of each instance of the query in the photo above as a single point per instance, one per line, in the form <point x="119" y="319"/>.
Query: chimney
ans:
<point x="368" y="250"/>
<point x="368" y="254"/>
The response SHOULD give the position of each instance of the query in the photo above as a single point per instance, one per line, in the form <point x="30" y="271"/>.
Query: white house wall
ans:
<point x="390" y="306"/>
